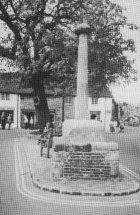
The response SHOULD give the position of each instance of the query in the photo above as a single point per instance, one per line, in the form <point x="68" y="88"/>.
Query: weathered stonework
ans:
<point x="89" y="164"/>
<point x="54" y="103"/>
<point x="69" y="109"/>
<point x="27" y="103"/>
<point x="84" y="154"/>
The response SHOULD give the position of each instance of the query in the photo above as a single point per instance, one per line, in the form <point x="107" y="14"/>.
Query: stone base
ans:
<point x="82" y="152"/>
<point x="70" y="124"/>
<point x="100" y="161"/>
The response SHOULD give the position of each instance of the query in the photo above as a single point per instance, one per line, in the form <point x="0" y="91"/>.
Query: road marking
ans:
<point x="21" y="187"/>
<point x="130" y="171"/>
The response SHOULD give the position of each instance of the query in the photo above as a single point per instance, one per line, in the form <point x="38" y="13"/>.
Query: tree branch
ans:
<point x="6" y="18"/>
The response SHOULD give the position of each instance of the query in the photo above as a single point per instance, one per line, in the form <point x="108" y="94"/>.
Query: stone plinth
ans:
<point x="84" y="154"/>
<point x="70" y="124"/>
<point x="94" y="161"/>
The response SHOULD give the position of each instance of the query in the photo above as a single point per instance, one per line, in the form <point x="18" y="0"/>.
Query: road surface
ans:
<point x="12" y="202"/>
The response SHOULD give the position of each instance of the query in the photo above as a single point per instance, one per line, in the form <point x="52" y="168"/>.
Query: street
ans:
<point x="129" y="146"/>
<point x="14" y="203"/>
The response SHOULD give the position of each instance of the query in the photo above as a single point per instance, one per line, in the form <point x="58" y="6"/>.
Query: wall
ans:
<point x="56" y="103"/>
<point x="105" y="106"/>
<point x="98" y="162"/>
<point x="70" y="109"/>
<point x="27" y="103"/>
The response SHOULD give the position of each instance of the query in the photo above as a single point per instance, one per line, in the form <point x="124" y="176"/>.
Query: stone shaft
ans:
<point x="81" y="107"/>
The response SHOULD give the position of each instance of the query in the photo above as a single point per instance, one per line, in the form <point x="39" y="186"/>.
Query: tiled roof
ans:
<point x="11" y="83"/>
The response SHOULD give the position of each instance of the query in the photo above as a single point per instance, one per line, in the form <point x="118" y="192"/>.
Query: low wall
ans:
<point x="97" y="161"/>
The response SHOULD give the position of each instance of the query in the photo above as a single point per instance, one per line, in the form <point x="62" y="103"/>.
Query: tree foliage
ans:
<point x="40" y="41"/>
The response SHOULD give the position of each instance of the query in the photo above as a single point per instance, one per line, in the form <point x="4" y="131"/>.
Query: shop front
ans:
<point x="30" y="115"/>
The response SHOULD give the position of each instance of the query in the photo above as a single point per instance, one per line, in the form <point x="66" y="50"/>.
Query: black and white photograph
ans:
<point x="69" y="107"/>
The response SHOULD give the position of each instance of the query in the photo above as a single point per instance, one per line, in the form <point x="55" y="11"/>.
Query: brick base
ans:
<point x="94" y="165"/>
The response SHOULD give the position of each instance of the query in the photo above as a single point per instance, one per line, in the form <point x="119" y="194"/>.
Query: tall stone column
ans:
<point x="81" y="106"/>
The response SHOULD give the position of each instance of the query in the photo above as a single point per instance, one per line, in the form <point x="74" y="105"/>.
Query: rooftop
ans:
<point x="11" y="83"/>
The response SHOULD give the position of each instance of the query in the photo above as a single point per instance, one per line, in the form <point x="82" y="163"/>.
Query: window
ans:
<point x="7" y="112"/>
<point x="22" y="97"/>
<point x="68" y="99"/>
<point x="95" y="115"/>
<point x="5" y="96"/>
<point x="94" y="100"/>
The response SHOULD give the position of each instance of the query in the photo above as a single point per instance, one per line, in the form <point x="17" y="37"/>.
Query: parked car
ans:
<point x="132" y="121"/>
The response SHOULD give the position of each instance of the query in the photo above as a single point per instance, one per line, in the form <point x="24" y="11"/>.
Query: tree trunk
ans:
<point x="41" y="106"/>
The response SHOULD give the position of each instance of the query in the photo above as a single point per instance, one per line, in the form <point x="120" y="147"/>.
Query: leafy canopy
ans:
<point x="41" y="42"/>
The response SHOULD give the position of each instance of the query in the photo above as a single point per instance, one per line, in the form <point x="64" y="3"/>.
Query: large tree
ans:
<point x="40" y="41"/>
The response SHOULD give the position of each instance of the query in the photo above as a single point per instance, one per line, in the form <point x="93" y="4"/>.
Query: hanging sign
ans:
<point x="36" y="101"/>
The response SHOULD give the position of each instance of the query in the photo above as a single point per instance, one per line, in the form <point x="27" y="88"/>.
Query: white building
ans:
<point x="102" y="108"/>
<point x="10" y="104"/>
<point x="101" y="105"/>
<point x="19" y="101"/>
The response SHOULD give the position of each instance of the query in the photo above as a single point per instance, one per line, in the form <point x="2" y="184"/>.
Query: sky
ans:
<point x="130" y="93"/>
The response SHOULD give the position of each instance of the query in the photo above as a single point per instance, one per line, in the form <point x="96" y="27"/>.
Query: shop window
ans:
<point x="95" y="115"/>
<point x="5" y="96"/>
<point x="94" y="100"/>
<point x="7" y="112"/>
<point x="22" y="97"/>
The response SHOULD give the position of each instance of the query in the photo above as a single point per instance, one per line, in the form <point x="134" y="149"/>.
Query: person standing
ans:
<point x="3" y="120"/>
<point x="112" y="129"/>
<point x="9" y="121"/>
<point x="115" y="126"/>
<point x="25" y="122"/>
<point x="31" y="123"/>
<point x="50" y="138"/>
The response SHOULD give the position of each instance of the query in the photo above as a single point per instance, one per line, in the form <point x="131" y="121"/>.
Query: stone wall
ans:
<point x="86" y="165"/>
<point x="27" y="103"/>
<point x="69" y="110"/>
<point x="84" y="162"/>
<point x="54" y="103"/>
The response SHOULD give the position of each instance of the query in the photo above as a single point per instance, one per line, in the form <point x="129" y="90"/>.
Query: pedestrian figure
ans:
<point x="115" y="125"/>
<point x="9" y="121"/>
<point x="59" y="128"/>
<point x="25" y="121"/>
<point x="121" y="126"/>
<point x="46" y="139"/>
<point x="31" y="123"/>
<point x="112" y="128"/>
<point x="3" y="120"/>
<point x="50" y="139"/>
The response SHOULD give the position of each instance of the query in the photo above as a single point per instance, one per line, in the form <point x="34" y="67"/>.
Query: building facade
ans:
<point x="10" y="104"/>
<point x="19" y="102"/>
<point x="60" y="108"/>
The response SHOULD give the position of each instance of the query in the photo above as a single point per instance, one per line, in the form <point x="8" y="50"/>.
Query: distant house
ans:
<point x="18" y="100"/>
